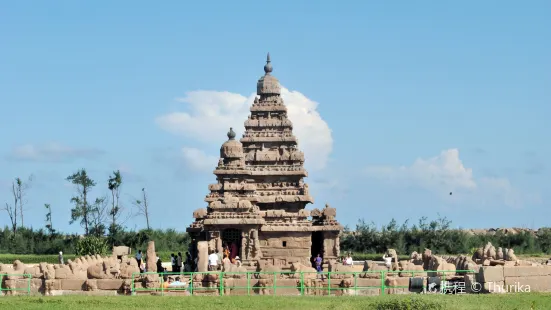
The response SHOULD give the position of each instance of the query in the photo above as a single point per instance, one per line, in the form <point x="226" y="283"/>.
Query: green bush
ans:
<point x="408" y="304"/>
<point x="33" y="259"/>
<point x="91" y="246"/>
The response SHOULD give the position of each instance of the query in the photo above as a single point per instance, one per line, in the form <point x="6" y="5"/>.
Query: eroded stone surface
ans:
<point x="259" y="199"/>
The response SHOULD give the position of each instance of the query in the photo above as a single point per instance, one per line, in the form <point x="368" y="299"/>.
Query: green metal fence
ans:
<point x="26" y="277"/>
<point x="285" y="282"/>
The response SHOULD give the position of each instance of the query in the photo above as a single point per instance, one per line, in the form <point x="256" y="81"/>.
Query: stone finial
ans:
<point x="268" y="67"/>
<point x="231" y="134"/>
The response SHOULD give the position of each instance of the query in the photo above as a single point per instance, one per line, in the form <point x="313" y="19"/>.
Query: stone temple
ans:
<point x="258" y="200"/>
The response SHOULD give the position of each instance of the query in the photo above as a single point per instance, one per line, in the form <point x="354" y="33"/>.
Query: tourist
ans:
<point x="188" y="264"/>
<point x="173" y="262"/>
<point x="318" y="262"/>
<point x="160" y="268"/>
<point x="167" y="282"/>
<point x="139" y="257"/>
<point x="213" y="261"/>
<point x="60" y="258"/>
<point x="348" y="260"/>
<point x="179" y="262"/>
<point x="177" y="283"/>
<point x="226" y="251"/>
<point x="388" y="261"/>
<point x="226" y="260"/>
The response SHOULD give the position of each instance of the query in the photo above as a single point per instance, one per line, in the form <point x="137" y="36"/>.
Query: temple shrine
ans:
<point x="256" y="208"/>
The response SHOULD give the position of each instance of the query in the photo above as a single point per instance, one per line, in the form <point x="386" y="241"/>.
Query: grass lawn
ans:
<point x="518" y="301"/>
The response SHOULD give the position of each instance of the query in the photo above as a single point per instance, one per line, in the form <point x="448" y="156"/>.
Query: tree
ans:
<point x="12" y="212"/>
<point x="82" y="208"/>
<point x="143" y="207"/>
<point x="114" y="185"/>
<point x="20" y="191"/>
<point x="49" y="225"/>
<point x="99" y="213"/>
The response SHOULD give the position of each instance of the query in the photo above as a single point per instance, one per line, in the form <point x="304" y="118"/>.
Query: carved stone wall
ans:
<point x="282" y="247"/>
<point x="260" y="185"/>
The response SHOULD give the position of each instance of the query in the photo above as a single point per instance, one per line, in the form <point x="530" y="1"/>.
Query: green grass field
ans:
<point x="447" y="302"/>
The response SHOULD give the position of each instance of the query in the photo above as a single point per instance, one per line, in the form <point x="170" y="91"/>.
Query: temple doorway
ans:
<point x="231" y="241"/>
<point x="317" y="245"/>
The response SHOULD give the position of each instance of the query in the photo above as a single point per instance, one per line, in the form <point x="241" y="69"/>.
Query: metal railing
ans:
<point x="26" y="277"/>
<point x="287" y="282"/>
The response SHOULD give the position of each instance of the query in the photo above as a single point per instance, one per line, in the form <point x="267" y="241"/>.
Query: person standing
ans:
<point x="139" y="257"/>
<point x="179" y="262"/>
<point x="388" y="261"/>
<point x="213" y="261"/>
<point x="318" y="261"/>
<point x="173" y="262"/>
<point x="60" y="258"/>
<point x="348" y="260"/>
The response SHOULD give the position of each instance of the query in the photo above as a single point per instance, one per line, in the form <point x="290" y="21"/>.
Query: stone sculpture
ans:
<point x="511" y="255"/>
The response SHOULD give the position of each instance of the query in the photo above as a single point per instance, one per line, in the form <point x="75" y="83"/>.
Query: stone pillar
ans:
<point x="202" y="256"/>
<point x="242" y="250"/>
<point x="151" y="263"/>
<point x="219" y="246"/>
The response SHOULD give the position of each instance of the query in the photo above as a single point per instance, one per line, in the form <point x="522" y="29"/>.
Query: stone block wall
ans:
<point x="281" y="248"/>
<point x="511" y="279"/>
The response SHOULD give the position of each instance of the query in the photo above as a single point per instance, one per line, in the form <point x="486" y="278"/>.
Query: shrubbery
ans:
<point x="408" y="304"/>
<point x="367" y="242"/>
<point x="91" y="246"/>
<point x="439" y="237"/>
<point x="38" y="242"/>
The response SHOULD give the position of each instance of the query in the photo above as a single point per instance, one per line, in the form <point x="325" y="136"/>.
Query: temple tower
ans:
<point x="260" y="195"/>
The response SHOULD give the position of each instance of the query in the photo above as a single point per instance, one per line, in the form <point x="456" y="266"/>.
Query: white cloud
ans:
<point x="52" y="152"/>
<point x="210" y="114"/>
<point x="446" y="173"/>
<point x="197" y="160"/>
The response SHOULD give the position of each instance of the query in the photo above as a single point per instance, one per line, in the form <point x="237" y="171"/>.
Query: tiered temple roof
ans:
<point x="260" y="179"/>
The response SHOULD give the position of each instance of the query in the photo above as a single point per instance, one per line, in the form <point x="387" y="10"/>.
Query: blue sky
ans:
<point x="395" y="104"/>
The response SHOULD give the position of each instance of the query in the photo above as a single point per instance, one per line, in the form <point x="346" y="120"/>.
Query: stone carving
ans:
<point x="416" y="258"/>
<point x="265" y="275"/>
<point x="340" y="271"/>
<point x="307" y="272"/>
<point x="392" y="253"/>
<point x="439" y="264"/>
<point x="237" y="270"/>
<point x="260" y="188"/>
<point x="372" y="270"/>
<point x="499" y="254"/>
<point x="200" y="213"/>
<point x="426" y="256"/>
<point x="256" y="251"/>
<point x="511" y="255"/>
<point x="409" y="269"/>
